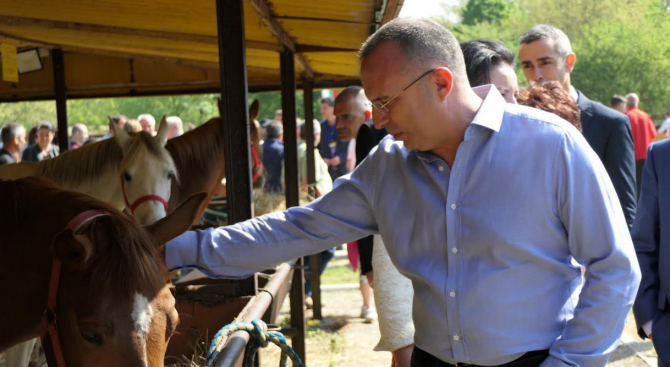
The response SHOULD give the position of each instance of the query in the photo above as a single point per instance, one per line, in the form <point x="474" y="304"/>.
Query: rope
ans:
<point x="258" y="331"/>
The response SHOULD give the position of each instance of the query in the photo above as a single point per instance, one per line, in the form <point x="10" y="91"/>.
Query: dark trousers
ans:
<point x="325" y="257"/>
<point x="660" y="331"/>
<point x="639" y="165"/>
<point x="421" y="358"/>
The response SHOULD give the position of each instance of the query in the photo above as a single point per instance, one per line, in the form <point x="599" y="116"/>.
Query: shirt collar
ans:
<point x="574" y="94"/>
<point x="491" y="112"/>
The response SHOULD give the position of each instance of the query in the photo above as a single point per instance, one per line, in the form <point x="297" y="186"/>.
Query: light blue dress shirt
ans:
<point x="489" y="244"/>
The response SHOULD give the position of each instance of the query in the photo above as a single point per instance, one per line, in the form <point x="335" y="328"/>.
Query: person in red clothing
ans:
<point x="644" y="132"/>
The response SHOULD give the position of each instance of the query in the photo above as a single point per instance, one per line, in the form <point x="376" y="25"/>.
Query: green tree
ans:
<point x="492" y="11"/>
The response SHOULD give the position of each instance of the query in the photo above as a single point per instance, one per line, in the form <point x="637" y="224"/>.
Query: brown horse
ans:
<point x="113" y="307"/>
<point x="199" y="158"/>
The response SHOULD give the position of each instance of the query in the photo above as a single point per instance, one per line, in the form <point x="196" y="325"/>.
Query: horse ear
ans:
<point x="177" y="222"/>
<point x="254" y="109"/>
<point x="72" y="250"/>
<point x="120" y="135"/>
<point x="161" y="136"/>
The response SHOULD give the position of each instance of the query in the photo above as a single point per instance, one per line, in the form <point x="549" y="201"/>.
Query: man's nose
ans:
<point x="538" y="75"/>
<point x="379" y="119"/>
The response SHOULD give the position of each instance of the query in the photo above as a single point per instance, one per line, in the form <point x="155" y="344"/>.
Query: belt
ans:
<point x="422" y="358"/>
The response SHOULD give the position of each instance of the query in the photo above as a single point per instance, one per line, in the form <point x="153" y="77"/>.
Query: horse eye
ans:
<point x="127" y="176"/>
<point x="94" y="338"/>
<point x="170" y="175"/>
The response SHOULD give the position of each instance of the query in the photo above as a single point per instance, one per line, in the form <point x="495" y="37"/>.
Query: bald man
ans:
<point x="79" y="136"/>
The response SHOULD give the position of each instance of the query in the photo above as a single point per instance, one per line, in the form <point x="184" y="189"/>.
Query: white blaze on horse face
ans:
<point x="142" y="317"/>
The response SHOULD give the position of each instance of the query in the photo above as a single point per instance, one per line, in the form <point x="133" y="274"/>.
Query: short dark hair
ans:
<point x="328" y="100"/>
<point x="481" y="56"/>
<point x="45" y="125"/>
<point x="617" y="100"/>
<point x="542" y="31"/>
<point x="422" y="41"/>
<point x="274" y="129"/>
<point x="10" y="131"/>
<point x="550" y="96"/>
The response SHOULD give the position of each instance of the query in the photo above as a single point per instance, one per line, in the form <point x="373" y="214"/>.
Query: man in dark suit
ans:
<point x="652" y="245"/>
<point x="545" y="54"/>
<point x="273" y="157"/>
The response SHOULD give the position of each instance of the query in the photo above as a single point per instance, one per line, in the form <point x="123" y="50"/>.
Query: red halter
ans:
<point x="141" y="200"/>
<point x="49" y="327"/>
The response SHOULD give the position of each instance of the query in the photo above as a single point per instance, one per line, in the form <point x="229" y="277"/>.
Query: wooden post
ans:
<point x="291" y="179"/>
<point x="61" y="99"/>
<point x="314" y="260"/>
<point x="234" y="109"/>
<point x="297" y="300"/>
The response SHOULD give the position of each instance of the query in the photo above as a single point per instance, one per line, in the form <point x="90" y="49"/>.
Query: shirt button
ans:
<point x="454" y="250"/>
<point x="452" y="294"/>
<point x="441" y="168"/>
<point x="454" y="206"/>
<point x="456" y="337"/>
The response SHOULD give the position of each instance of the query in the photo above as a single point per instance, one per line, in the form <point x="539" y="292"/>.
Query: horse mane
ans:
<point x="92" y="161"/>
<point x="198" y="147"/>
<point x="86" y="163"/>
<point x="124" y="258"/>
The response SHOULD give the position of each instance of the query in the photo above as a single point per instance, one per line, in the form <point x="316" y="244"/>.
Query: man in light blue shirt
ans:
<point x="485" y="206"/>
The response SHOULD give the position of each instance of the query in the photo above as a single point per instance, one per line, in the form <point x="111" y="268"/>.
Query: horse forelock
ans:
<point x="125" y="260"/>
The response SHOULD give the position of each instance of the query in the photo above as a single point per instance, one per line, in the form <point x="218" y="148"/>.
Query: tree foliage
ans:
<point x="621" y="45"/>
<point x="193" y="109"/>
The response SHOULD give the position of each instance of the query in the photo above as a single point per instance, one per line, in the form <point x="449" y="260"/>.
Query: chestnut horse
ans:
<point x="126" y="172"/>
<point x="112" y="306"/>
<point x="199" y="158"/>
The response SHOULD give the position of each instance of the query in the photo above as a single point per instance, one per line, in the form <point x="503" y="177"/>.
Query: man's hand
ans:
<point x="335" y="161"/>
<point x="327" y="160"/>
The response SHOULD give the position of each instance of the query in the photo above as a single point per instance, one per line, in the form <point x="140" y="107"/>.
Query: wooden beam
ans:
<point x="268" y="18"/>
<point x="392" y="10"/>
<point x="197" y="38"/>
<point x="234" y="109"/>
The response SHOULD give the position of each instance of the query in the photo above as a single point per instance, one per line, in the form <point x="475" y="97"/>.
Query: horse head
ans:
<point x="114" y="306"/>
<point x="147" y="171"/>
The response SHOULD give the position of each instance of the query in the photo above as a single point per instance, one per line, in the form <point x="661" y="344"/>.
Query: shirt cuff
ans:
<point x="182" y="251"/>
<point x="647" y="327"/>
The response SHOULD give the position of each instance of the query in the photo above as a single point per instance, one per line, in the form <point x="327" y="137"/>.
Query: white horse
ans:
<point x="128" y="172"/>
<point x="131" y="172"/>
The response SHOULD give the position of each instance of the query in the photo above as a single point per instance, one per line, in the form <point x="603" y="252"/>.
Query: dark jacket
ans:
<point x="6" y="157"/>
<point x="331" y="146"/>
<point x="651" y="236"/>
<point x="608" y="132"/>
<point x="273" y="160"/>
<point x="34" y="154"/>
<point x="367" y="138"/>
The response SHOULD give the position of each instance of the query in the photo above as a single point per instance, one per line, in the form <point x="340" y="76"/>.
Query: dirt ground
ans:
<point x="343" y="340"/>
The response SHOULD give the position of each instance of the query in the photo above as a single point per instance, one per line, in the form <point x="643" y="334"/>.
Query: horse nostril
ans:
<point x="127" y="176"/>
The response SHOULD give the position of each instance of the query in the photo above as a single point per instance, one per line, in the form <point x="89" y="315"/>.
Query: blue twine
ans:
<point x="257" y="329"/>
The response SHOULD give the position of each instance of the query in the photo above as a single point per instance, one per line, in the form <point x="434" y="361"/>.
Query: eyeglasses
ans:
<point x="383" y="107"/>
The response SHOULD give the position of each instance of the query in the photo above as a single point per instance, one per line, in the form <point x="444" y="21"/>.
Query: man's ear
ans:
<point x="570" y="61"/>
<point x="444" y="80"/>
<point x="74" y="251"/>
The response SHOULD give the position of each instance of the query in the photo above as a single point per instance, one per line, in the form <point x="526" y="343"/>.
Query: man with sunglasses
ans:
<point x="485" y="206"/>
